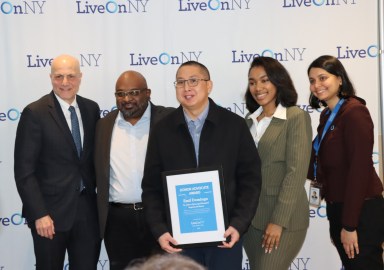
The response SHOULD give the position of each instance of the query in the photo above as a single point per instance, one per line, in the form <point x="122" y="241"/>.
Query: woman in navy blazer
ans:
<point x="283" y="135"/>
<point x="350" y="185"/>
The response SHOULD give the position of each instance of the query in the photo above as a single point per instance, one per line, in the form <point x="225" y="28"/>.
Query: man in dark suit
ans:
<point x="121" y="146"/>
<point x="201" y="134"/>
<point x="54" y="171"/>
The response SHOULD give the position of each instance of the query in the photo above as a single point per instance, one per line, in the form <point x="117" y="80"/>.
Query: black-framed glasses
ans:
<point x="191" y="82"/>
<point x="131" y="93"/>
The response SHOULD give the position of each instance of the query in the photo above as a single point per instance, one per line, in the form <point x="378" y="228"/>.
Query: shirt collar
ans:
<point x="64" y="105"/>
<point x="201" y="118"/>
<point x="280" y="112"/>
<point x="146" y="116"/>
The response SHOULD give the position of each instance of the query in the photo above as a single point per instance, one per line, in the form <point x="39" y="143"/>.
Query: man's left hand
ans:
<point x="235" y="236"/>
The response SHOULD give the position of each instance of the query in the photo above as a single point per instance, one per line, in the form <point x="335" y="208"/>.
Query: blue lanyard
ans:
<point x="317" y="142"/>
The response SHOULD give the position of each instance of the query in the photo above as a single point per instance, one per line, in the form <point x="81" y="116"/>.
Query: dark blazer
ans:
<point x="285" y="150"/>
<point x="225" y="141"/>
<point x="102" y="157"/>
<point x="47" y="168"/>
<point x="345" y="166"/>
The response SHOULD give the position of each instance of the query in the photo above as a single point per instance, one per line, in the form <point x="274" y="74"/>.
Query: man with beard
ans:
<point x="121" y="145"/>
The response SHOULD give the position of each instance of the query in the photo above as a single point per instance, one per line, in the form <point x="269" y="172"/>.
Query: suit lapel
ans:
<point x="107" y="132"/>
<point x="86" y="127"/>
<point x="154" y="115"/>
<point x="248" y="120"/>
<point x="57" y="114"/>
<point x="270" y="135"/>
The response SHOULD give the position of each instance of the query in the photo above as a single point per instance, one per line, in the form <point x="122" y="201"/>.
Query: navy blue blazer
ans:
<point x="47" y="168"/>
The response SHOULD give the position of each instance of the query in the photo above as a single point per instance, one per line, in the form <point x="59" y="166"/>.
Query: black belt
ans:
<point x="135" y="206"/>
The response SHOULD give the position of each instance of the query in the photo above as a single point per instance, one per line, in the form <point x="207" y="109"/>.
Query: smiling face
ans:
<point x="132" y="106"/>
<point x="194" y="99"/>
<point x="325" y="86"/>
<point x="65" y="77"/>
<point x="262" y="89"/>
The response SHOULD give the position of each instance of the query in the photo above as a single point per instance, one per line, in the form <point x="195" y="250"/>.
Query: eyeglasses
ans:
<point x="60" y="77"/>
<point x="191" y="82"/>
<point x="131" y="93"/>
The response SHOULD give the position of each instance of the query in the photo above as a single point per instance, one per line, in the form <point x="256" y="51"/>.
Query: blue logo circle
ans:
<point x="111" y="10"/>
<point x="319" y="4"/>
<point x="267" y="51"/>
<point x="17" y="219"/>
<point x="13" y="114"/>
<point x="375" y="53"/>
<point x="214" y="8"/>
<point x="168" y="57"/>
<point x="10" y="7"/>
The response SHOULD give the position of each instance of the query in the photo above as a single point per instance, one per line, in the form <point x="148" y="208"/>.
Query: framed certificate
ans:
<point x="196" y="208"/>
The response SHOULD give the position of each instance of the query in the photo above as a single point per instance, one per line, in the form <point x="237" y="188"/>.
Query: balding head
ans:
<point x="67" y="61"/>
<point x="135" y="95"/>
<point x="65" y="77"/>
<point x="132" y="77"/>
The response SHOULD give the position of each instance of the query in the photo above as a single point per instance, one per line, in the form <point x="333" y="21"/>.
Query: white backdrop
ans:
<point x="154" y="37"/>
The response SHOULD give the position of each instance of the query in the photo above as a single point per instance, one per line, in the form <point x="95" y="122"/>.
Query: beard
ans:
<point x="136" y="111"/>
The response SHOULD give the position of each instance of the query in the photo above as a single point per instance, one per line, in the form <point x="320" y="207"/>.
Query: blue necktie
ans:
<point x="75" y="129"/>
<point x="76" y="135"/>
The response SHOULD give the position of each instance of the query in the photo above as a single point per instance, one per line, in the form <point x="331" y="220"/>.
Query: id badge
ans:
<point x="314" y="194"/>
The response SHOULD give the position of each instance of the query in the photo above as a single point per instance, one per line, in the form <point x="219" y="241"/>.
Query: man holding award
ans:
<point x="199" y="135"/>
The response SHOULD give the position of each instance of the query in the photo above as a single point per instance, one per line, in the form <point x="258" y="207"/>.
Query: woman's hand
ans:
<point x="350" y="243"/>
<point x="271" y="237"/>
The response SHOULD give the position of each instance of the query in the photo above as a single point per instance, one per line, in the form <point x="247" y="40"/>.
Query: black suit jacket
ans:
<point x="47" y="168"/>
<point x="225" y="141"/>
<point x="102" y="157"/>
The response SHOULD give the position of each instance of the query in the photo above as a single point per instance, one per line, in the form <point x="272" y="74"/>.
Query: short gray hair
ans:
<point x="167" y="262"/>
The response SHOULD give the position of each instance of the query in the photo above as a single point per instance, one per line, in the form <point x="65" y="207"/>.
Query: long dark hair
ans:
<point x="279" y="76"/>
<point x="332" y="65"/>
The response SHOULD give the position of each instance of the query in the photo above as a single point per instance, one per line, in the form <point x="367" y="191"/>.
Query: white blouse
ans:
<point x="258" y="128"/>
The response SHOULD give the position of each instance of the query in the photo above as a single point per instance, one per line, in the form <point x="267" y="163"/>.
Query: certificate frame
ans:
<point x="196" y="208"/>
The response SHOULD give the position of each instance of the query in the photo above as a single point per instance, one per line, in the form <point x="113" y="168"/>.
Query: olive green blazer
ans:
<point x="285" y="150"/>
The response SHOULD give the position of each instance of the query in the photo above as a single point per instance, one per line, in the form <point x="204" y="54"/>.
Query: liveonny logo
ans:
<point x="86" y="59"/>
<point x="164" y="58"/>
<point x="213" y="5"/>
<point x="299" y="264"/>
<point x="282" y="55"/>
<point x="10" y="115"/>
<point x="22" y="8"/>
<point x="15" y="219"/>
<point x="345" y="52"/>
<point x="316" y="3"/>
<point x="112" y="7"/>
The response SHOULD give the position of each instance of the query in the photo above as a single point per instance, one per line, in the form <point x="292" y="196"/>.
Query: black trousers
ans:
<point x="215" y="258"/>
<point x="82" y="242"/>
<point x="127" y="237"/>
<point x="370" y="233"/>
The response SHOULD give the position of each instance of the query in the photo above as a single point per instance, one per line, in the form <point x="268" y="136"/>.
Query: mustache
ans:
<point x="128" y="102"/>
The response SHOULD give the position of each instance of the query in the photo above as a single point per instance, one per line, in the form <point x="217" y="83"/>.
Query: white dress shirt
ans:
<point x="128" y="150"/>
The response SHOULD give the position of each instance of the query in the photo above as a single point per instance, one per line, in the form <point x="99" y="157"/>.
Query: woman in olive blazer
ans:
<point x="283" y="135"/>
